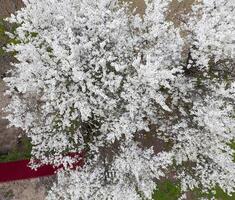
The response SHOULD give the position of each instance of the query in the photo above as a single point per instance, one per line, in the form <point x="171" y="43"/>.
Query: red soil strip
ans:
<point x="19" y="170"/>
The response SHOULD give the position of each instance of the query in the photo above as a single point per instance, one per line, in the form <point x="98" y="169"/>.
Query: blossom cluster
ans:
<point x="93" y="77"/>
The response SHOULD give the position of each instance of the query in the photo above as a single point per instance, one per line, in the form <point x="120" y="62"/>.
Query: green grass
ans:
<point x="2" y="30"/>
<point x="18" y="153"/>
<point x="3" y="37"/>
<point x="2" y="52"/>
<point x="167" y="190"/>
<point x="220" y="194"/>
<point x="2" y="27"/>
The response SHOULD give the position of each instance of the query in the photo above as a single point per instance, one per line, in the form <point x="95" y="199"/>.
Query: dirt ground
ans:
<point x="33" y="189"/>
<point x="9" y="6"/>
<point x="8" y="136"/>
<point x="176" y="8"/>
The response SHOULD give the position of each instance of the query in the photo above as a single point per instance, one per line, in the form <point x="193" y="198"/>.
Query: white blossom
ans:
<point x="92" y="77"/>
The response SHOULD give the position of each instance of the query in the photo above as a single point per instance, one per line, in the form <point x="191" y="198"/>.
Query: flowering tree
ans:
<point x="92" y="77"/>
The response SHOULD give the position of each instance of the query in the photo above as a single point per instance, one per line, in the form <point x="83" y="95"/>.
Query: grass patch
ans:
<point x="2" y="52"/>
<point x="21" y="152"/>
<point x="220" y="194"/>
<point x="2" y="27"/>
<point x="3" y="37"/>
<point x="167" y="190"/>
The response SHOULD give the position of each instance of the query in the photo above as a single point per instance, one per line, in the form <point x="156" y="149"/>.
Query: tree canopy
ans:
<point x="93" y="78"/>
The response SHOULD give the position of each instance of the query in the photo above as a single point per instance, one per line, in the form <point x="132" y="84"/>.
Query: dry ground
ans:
<point x="33" y="189"/>
<point x="9" y="6"/>
<point x="8" y="136"/>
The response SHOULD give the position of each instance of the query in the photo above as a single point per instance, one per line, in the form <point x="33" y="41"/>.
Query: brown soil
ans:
<point x="139" y="5"/>
<point x="9" y="6"/>
<point x="177" y="9"/>
<point x="8" y="136"/>
<point x="33" y="189"/>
